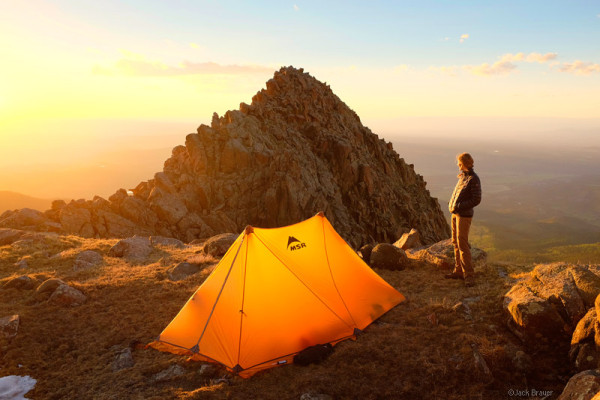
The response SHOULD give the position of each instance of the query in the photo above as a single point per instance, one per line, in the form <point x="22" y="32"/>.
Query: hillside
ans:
<point x="421" y="349"/>
<point x="11" y="201"/>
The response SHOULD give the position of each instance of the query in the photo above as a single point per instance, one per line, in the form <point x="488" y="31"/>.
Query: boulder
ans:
<point x="135" y="248"/>
<point x="21" y="283"/>
<point x="48" y="287"/>
<point x="532" y="318"/>
<point x="555" y="282"/>
<point x="388" y="256"/>
<point x="584" y="330"/>
<point x="9" y="326"/>
<point x="167" y="242"/>
<point x="65" y="295"/>
<point x="87" y="259"/>
<point x="24" y="218"/>
<point x="582" y="386"/>
<point x="547" y="306"/>
<point x="9" y="236"/>
<point x="123" y="360"/>
<point x="218" y="245"/>
<point x="183" y="270"/>
<point x="409" y="240"/>
<point x="441" y="254"/>
<point x="365" y="253"/>
<point x="587" y="282"/>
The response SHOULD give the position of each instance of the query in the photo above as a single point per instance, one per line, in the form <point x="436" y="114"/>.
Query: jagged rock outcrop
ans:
<point x="295" y="150"/>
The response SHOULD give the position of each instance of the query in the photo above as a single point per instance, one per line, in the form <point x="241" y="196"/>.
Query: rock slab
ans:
<point x="441" y="254"/>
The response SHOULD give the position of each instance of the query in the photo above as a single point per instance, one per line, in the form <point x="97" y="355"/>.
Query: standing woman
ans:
<point x="466" y="195"/>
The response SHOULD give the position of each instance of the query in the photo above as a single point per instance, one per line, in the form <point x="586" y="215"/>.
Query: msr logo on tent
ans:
<point x="295" y="244"/>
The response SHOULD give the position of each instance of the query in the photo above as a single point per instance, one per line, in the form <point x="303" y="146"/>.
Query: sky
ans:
<point x="81" y="77"/>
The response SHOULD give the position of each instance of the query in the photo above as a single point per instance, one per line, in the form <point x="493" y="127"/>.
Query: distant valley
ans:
<point x="541" y="202"/>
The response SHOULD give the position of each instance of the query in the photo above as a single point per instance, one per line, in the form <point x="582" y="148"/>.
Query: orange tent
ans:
<point x="276" y="292"/>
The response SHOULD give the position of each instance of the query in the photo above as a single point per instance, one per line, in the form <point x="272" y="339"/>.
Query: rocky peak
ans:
<point x="295" y="150"/>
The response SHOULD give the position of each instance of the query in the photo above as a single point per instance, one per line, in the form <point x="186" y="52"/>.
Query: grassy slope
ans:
<point x="402" y="355"/>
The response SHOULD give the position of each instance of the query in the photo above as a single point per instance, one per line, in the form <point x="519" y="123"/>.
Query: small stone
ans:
<point x="480" y="363"/>
<point x="135" y="248"/>
<point x="462" y="308"/>
<point x="522" y="362"/>
<point x="433" y="319"/>
<point x="182" y="271"/>
<point x="315" y="396"/>
<point x="123" y="360"/>
<point x="167" y="242"/>
<point x="409" y="240"/>
<point x="218" y="245"/>
<point x="48" y="287"/>
<point x="174" y="371"/>
<point x="65" y="295"/>
<point x="21" y="283"/>
<point x="9" y="326"/>
<point x="207" y="370"/>
<point x="23" y="262"/>
<point x="87" y="259"/>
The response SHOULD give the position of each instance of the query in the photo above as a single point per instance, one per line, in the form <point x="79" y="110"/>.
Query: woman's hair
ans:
<point x="466" y="160"/>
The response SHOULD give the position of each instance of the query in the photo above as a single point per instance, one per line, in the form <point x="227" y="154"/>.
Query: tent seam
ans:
<point x="331" y="273"/>
<point x="221" y="291"/>
<point x="242" y="309"/>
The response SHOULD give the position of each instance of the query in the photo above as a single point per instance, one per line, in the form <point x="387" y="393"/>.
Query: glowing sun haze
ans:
<point x="73" y="72"/>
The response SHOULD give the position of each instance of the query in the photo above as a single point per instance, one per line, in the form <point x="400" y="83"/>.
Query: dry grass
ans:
<point x="419" y="350"/>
